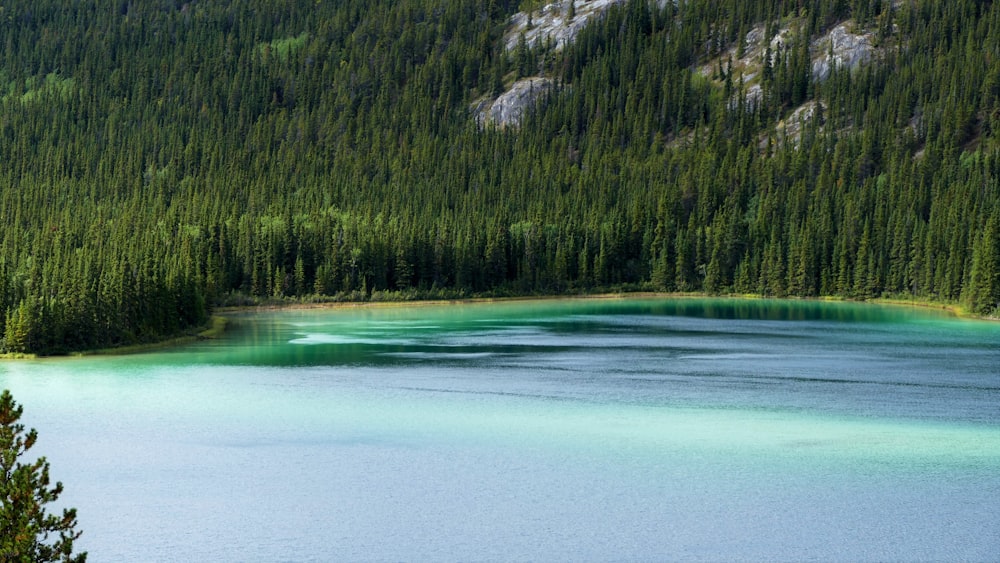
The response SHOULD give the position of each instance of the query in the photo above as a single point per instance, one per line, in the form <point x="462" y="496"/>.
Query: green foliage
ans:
<point x="35" y="89"/>
<point x="282" y="48"/>
<point x="27" y="532"/>
<point x="531" y="5"/>
<point x="203" y="153"/>
<point x="983" y="289"/>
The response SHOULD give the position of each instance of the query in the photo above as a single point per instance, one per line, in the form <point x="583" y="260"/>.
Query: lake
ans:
<point x="632" y="429"/>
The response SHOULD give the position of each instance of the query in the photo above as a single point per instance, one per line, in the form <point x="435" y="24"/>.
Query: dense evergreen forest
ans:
<point x="158" y="158"/>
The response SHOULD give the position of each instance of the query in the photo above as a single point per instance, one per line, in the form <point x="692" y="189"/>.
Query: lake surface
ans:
<point x="640" y="429"/>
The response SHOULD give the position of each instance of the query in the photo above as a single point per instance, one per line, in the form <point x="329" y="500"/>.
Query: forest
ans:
<point x="161" y="158"/>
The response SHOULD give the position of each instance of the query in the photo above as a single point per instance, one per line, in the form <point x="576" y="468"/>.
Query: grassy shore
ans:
<point x="17" y="356"/>
<point x="292" y="304"/>
<point x="954" y="309"/>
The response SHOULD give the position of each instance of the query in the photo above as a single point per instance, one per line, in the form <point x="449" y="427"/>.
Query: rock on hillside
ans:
<point x="553" y="22"/>
<point x="791" y="128"/>
<point x="559" y="22"/>
<point x="841" y="49"/>
<point x="508" y="109"/>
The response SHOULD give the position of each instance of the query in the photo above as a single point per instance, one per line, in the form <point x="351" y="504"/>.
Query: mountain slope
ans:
<point x="157" y="158"/>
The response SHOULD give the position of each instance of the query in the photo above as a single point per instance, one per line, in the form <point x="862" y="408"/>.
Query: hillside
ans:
<point x="159" y="158"/>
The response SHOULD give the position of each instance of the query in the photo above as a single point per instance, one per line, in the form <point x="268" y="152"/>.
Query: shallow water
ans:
<point x="568" y="430"/>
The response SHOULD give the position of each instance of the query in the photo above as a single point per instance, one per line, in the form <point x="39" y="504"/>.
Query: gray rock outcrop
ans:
<point x="556" y="24"/>
<point x="841" y="49"/>
<point x="552" y="21"/>
<point x="510" y="108"/>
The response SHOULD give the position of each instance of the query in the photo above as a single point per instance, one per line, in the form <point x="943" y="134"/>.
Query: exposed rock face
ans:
<point x="512" y="105"/>
<point x="558" y="22"/>
<point x="755" y="45"/>
<point x="838" y="48"/>
<point x="790" y="128"/>
<point x="553" y="21"/>
<point x="841" y="49"/>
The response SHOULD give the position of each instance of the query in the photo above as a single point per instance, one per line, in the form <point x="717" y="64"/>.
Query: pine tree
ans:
<point x="25" y="527"/>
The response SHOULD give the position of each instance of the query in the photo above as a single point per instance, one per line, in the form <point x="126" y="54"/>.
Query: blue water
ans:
<point x="642" y="429"/>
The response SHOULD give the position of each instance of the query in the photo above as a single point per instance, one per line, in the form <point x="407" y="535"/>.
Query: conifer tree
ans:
<point x="27" y="531"/>
<point x="983" y="294"/>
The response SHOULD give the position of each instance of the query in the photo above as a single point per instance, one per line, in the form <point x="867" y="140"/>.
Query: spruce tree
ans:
<point x="27" y="532"/>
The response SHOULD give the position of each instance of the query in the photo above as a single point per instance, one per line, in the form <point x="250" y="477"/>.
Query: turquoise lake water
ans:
<point x="636" y="429"/>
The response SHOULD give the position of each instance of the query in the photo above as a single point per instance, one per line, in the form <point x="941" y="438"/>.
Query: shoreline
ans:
<point x="954" y="309"/>
<point x="216" y="326"/>
<point x="272" y="306"/>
